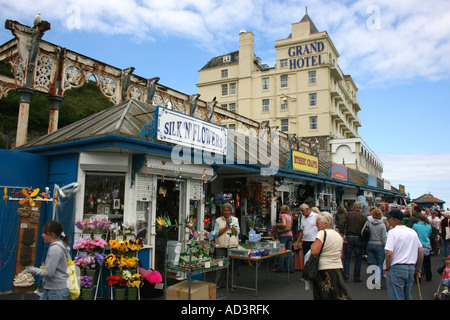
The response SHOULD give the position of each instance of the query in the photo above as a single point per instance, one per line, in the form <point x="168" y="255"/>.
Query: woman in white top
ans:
<point x="329" y="283"/>
<point x="227" y="232"/>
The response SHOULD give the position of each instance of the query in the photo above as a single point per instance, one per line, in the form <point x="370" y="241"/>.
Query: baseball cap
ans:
<point x="396" y="214"/>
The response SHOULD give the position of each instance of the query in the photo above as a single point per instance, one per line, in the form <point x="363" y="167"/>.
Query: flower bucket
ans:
<point x="120" y="293"/>
<point x="132" y="293"/>
<point x="88" y="293"/>
<point x="92" y="273"/>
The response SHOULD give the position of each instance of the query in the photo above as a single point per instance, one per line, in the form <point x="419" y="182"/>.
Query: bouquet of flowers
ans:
<point x="126" y="245"/>
<point x="86" y="282"/>
<point x="117" y="281"/>
<point x="133" y="280"/>
<point x="93" y="224"/>
<point x="89" y="244"/>
<point x="121" y="261"/>
<point x="89" y="261"/>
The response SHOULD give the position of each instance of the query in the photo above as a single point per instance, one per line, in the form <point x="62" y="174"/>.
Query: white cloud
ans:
<point x="419" y="173"/>
<point x="379" y="41"/>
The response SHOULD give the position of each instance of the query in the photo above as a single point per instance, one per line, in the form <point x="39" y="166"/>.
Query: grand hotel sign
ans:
<point x="306" y="55"/>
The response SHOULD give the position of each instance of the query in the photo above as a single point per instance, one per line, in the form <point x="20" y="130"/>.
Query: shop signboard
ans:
<point x="386" y="184"/>
<point x="338" y="172"/>
<point x="184" y="130"/>
<point x="371" y="180"/>
<point x="305" y="162"/>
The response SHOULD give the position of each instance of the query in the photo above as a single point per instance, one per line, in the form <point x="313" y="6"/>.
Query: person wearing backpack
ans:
<point x="55" y="272"/>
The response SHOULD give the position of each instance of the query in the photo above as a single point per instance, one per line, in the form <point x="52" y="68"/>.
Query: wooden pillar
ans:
<point x="55" y="102"/>
<point x="22" y="121"/>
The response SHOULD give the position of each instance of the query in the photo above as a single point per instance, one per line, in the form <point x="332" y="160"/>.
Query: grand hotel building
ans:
<point x="305" y="94"/>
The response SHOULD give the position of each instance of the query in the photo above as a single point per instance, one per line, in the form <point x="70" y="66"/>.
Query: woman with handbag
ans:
<point x="285" y="233"/>
<point x="329" y="283"/>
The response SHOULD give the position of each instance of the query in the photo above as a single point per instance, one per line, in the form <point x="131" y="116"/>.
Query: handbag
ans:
<point x="365" y="232"/>
<point x="286" y="228"/>
<point x="312" y="265"/>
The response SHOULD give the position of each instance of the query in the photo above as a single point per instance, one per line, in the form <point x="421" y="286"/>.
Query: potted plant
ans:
<point x="134" y="281"/>
<point x="119" y="283"/>
<point x="86" y="287"/>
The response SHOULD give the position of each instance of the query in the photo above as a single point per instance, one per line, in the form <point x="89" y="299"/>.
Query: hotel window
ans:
<point x="265" y="105"/>
<point x="224" y="90"/>
<point x="312" y="77"/>
<point x="283" y="63"/>
<point x="232" y="126"/>
<point x="313" y="99"/>
<point x="284" y="125"/>
<point x="284" y="105"/>
<point x="232" y="107"/>
<point x="224" y="73"/>
<point x="284" y="80"/>
<point x="227" y="58"/>
<point x="313" y="123"/>
<point x="265" y="84"/>
<point x="232" y="88"/>
<point x="223" y="106"/>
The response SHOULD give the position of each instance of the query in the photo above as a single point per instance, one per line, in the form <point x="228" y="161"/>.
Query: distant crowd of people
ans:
<point x="398" y="244"/>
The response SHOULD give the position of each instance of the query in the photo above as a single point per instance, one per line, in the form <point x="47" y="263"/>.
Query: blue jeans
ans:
<point x="375" y="256"/>
<point x="445" y="247"/>
<point x="399" y="280"/>
<point x="353" y="244"/>
<point x="287" y="240"/>
<point x="55" y="294"/>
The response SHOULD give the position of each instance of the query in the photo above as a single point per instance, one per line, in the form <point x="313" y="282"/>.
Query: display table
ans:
<point x="257" y="261"/>
<point x="189" y="272"/>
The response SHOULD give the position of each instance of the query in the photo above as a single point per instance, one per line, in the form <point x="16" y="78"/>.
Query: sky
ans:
<point x="397" y="52"/>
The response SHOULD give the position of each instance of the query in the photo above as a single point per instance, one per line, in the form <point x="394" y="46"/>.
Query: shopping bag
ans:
<point x="73" y="280"/>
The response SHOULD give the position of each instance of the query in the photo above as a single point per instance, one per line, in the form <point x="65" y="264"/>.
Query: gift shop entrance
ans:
<point x="169" y="212"/>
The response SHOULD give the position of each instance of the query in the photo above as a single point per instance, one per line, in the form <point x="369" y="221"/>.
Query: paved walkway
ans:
<point x="275" y="287"/>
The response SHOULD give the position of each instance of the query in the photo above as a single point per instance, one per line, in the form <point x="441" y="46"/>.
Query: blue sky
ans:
<point x="397" y="52"/>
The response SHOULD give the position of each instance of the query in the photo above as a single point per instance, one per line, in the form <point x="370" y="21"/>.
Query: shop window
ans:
<point x="143" y="218"/>
<point x="104" y="195"/>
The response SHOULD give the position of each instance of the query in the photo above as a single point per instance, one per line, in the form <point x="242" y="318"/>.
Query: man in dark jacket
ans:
<point x="414" y="216"/>
<point x="353" y="223"/>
